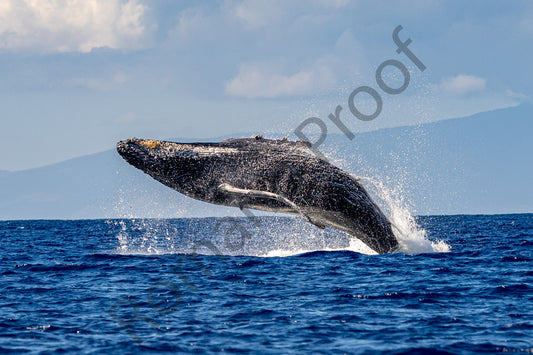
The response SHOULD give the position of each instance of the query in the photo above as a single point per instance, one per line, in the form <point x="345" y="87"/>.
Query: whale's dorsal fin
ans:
<point x="244" y="193"/>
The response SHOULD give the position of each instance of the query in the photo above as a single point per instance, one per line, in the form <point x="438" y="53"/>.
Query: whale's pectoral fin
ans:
<point x="243" y="194"/>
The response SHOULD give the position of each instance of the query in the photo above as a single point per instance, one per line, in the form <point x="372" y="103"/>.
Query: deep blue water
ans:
<point x="127" y="287"/>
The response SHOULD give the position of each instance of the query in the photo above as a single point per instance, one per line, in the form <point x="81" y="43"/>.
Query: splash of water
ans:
<point x="143" y="237"/>
<point x="159" y="236"/>
<point x="140" y="236"/>
<point x="412" y="238"/>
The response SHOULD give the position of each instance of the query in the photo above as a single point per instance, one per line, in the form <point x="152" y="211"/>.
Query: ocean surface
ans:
<point x="461" y="285"/>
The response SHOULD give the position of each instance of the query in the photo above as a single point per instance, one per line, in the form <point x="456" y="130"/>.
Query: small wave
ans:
<point x="282" y="253"/>
<point x="355" y="245"/>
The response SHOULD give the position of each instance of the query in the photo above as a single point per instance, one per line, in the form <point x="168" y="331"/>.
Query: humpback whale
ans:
<point x="277" y="175"/>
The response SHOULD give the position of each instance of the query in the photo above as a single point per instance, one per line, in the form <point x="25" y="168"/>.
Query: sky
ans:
<point x="79" y="75"/>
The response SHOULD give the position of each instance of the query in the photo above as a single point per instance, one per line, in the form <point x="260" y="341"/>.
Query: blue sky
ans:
<point x="77" y="76"/>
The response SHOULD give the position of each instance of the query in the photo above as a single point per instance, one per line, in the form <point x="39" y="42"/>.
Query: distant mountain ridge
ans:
<point x="478" y="164"/>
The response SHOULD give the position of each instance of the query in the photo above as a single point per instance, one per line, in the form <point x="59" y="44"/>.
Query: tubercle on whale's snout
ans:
<point x="132" y="144"/>
<point x="122" y="147"/>
<point x="126" y="142"/>
<point x="133" y="152"/>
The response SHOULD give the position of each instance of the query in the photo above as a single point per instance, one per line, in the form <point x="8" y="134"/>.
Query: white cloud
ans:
<point x="262" y="13"/>
<point x="257" y="81"/>
<point x="71" y="25"/>
<point x="190" y="22"/>
<point x="257" y="13"/>
<point x="333" y="3"/>
<point x="526" y="22"/>
<point x="516" y="95"/>
<point x="463" y="84"/>
<point x="102" y="84"/>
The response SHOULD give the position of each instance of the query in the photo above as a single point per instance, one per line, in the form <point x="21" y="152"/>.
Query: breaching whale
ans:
<point x="277" y="175"/>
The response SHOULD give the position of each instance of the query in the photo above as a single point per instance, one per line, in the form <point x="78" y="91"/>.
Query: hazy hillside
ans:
<point x="478" y="164"/>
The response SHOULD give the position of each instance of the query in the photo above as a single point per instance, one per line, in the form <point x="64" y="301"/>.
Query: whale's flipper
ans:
<point x="243" y="194"/>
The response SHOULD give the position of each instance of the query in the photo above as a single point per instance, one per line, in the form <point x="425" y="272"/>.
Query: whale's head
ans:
<point x="197" y="169"/>
<point x="181" y="166"/>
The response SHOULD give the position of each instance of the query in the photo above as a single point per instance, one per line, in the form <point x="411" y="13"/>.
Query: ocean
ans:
<point x="461" y="285"/>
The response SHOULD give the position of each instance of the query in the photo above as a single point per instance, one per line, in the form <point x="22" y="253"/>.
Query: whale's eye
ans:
<point x="152" y="144"/>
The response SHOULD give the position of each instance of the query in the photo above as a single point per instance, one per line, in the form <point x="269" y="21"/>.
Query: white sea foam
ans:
<point x="412" y="238"/>
<point x="355" y="245"/>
